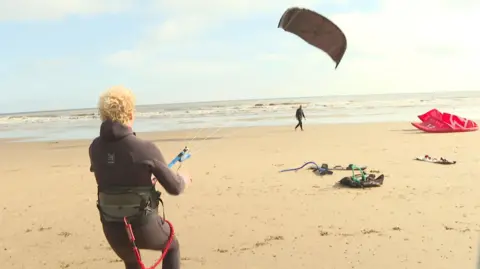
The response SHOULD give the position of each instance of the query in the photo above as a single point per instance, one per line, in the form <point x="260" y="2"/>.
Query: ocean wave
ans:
<point x="257" y="108"/>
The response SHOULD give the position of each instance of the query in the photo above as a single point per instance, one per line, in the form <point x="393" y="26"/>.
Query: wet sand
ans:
<point x="241" y="213"/>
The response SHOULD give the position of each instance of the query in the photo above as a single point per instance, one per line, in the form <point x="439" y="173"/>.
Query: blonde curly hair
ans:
<point x="116" y="104"/>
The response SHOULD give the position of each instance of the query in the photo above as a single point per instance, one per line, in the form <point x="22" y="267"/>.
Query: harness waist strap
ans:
<point x="131" y="203"/>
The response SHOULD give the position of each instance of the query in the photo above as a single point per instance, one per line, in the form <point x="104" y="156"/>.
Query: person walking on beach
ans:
<point x="123" y="166"/>
<point x="299" y="115"/>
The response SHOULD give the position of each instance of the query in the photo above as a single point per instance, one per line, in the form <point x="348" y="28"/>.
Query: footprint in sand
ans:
<point x="265" y="241"/>
<point x="322" y="232"/>
<point x="41" y="229"/>
<point x="202" y="260"/>
<point x="64" y="234"/>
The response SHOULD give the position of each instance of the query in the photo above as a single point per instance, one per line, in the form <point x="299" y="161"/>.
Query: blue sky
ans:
<point x="60" y="54"/>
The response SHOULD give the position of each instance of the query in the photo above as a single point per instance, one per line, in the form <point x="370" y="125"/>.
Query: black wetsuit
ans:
<point x="120" y="159"/>
<point x="299" y="115"/>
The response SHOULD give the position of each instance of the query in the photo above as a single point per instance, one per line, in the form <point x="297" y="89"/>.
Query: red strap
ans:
<point x="129" y="229"/>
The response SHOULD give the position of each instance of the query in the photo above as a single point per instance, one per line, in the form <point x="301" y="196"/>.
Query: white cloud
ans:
<point x="428" y="45"/>
<point x="187" y="17"/>
<point x="424" y="45"/>
<point x="223" y="9"/>
<point x="186" y="21"/>
<point x="33" y="10"/>
<point x="126" y="58"/>
<point x="411" y="25"/>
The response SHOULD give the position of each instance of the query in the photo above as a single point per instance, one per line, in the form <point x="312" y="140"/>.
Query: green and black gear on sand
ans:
<point x="360" y="180"/>
<point x="355" y="181"/>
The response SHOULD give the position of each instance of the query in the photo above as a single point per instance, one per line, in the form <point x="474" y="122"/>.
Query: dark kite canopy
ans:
<point x="316" y="30"/>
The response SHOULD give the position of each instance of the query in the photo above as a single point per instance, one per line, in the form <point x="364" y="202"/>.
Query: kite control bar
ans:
<point x="182" y="156"/>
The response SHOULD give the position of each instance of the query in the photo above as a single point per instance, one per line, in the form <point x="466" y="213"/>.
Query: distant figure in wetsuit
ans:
<point x="299" y="115"/>
<point x="123" y="166"/>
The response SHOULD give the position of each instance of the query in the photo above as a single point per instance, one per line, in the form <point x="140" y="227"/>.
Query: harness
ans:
<point x="132" y="204"/>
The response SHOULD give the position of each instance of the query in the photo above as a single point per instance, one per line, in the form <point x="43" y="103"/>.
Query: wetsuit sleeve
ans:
<point x="303" y="114"/>
<point x="90" y="157"/>
<point x="172" y="182"/>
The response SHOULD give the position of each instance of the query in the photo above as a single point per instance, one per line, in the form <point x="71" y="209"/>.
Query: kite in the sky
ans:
<point x="316" y="30"/>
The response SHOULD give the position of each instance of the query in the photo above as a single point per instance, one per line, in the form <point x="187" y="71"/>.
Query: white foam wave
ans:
<point x="255" y="108"/>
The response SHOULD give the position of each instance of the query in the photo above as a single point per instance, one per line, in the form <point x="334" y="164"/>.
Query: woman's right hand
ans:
<point x="187" y="179"/>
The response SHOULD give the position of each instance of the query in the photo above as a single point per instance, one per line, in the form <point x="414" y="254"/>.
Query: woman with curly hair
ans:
<point x="123" y="166"/>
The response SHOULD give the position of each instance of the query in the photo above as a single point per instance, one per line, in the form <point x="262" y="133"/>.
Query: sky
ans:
<point x="61" y="54"/>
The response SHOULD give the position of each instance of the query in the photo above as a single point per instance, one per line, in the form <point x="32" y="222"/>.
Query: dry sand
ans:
<point x="241" y="213"/>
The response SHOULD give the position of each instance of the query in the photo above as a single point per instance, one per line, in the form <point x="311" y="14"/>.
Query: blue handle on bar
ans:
<point x="182" y="156"/>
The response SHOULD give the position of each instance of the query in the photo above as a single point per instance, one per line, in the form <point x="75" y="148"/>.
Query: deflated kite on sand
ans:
<point x="435" y="121"/>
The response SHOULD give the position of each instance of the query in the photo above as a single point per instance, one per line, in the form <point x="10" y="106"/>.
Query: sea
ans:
<point x="84" y="123"/>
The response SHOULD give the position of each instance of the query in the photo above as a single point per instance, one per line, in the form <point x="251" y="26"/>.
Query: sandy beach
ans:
<point x="240" y="212"/>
